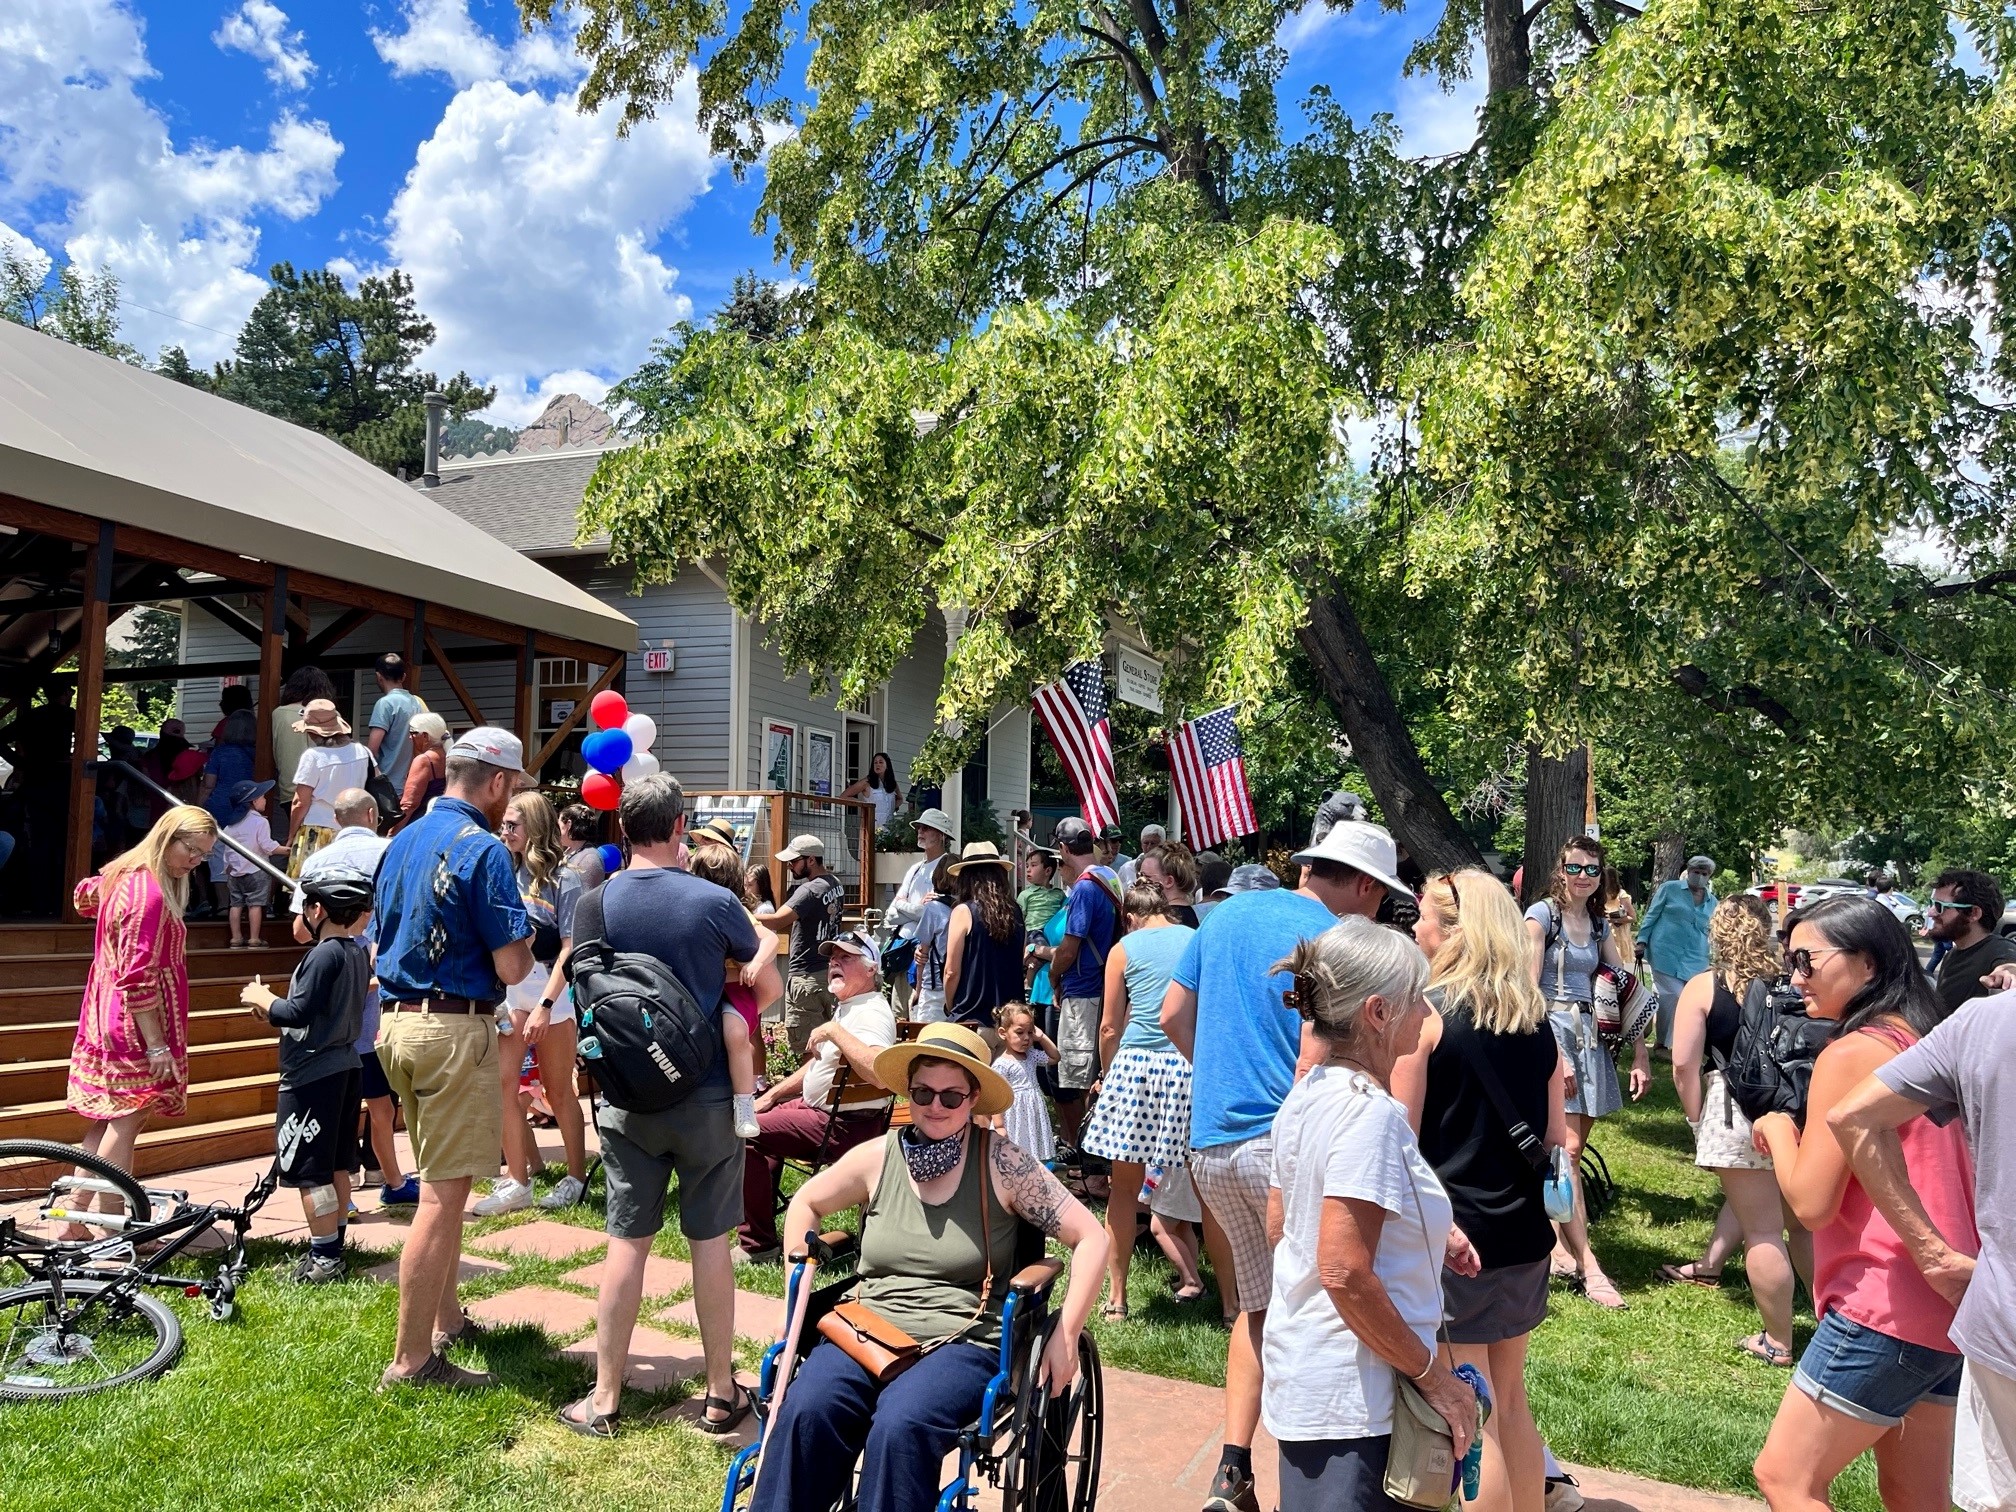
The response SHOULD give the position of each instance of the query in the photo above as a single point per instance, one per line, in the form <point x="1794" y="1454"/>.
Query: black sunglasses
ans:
<point x="951" y="1099"/>
<point x="1801" y="960"/>
<point x="1578" y="869"/>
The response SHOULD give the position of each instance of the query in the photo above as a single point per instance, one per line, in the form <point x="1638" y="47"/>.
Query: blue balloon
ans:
<point x="612" y="858"/>
<point x="607" y="750"/>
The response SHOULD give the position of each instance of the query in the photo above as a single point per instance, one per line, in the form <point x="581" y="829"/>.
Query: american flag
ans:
<point x="1073" y="710"/>
<point x="1208" y="769"/>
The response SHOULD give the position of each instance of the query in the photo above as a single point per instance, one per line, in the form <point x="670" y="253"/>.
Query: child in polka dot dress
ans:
<point x="1024" y="1048"/>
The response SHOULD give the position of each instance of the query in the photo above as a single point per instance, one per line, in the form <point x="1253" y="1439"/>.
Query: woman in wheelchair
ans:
<point x="934" y="1263"/>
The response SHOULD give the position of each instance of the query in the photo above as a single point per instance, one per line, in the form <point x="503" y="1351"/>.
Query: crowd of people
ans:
<point x="1360" y="1104"/>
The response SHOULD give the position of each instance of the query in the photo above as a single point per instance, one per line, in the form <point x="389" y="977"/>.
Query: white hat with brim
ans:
<point x="937" y="819"/>
<point x="1362" y="847"/>
<point x="977" y="853"/>
<point x="956" y="1045"/>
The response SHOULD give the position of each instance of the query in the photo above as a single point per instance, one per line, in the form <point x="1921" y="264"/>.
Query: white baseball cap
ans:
<point x="492" y="747"/>
<point x="1361" y="846"/>
<point x="802" y="845"/>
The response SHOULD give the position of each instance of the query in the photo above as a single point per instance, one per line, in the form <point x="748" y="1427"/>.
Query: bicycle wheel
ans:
<point x="29" y="1171"/>
<point x="103" y="1336"/>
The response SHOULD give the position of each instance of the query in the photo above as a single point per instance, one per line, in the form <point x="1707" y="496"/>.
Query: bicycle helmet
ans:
<point x="343" y="888"/>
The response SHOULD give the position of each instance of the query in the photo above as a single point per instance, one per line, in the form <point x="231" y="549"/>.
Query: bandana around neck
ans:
<point x="928" y="1159"/>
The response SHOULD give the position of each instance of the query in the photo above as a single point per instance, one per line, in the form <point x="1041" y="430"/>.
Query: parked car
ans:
<point x="2008" y="925"/>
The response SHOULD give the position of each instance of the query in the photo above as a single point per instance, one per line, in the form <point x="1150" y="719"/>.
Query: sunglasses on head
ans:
<point x="951" y="1099"/>
<point x="1581" y="868"/>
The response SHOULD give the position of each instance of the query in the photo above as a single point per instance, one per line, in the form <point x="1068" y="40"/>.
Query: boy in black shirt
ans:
<point x="320" y="1093"/>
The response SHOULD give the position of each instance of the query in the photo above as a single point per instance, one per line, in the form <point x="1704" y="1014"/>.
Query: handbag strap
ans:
<point x="1421" y="1218"/>
<point x="1529" y="1144"/>
<point x="980" y="1152"/>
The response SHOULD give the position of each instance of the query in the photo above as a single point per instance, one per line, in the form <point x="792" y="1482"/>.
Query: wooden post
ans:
<point x="416" y="647"/>
<point x="270" y="648"/>
<point x="98" y="561"/>
<point x="867" y="818"/>
<point x="780" y="820"/>
<point x="527" y="713"/>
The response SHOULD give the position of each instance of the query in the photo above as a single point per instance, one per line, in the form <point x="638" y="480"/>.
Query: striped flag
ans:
<point x="1208" y="769"/>
<point x="1073" y="710"/>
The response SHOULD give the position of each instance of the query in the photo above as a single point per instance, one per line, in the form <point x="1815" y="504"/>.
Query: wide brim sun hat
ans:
<point x="956" y="1045"/>
<point x="978" y="853"/>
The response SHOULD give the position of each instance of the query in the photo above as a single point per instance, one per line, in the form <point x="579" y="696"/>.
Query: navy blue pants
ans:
<point x="834" y="1413"/>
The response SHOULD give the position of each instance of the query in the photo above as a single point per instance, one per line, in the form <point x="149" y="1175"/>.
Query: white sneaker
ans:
<point x="566" y="1192"/>
<point x="746" y="1126"/>
<point x="506" y="1196"/>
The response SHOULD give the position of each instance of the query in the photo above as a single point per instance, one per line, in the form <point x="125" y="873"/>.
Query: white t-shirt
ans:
<point x="1338" y="1135"/>
<point x="328" y="770"/>
<point x="255" y="834"/>
<point x="871" y="1020"/>
<point x="907" y="907"/>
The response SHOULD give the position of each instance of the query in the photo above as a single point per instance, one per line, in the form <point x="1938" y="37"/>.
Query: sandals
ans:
<point x="1691" y="1274"/>
<point x="1759" y="1347"/>
<point x="738" y="1407"/>
<point x="590" y="1423"/>
<point x="1188" y="1293"/>
<point x="1114" y="1312"/>
<point x="1603" y="1292"/>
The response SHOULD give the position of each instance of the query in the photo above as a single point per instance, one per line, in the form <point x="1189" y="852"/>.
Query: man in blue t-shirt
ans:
<point x="1224" y="1012"/>
<point x="1078" y="967"/>
<point x="391" y="716"/>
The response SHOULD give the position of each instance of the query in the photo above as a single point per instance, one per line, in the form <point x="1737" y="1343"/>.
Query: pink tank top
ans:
<point x="1862" y="1269"/>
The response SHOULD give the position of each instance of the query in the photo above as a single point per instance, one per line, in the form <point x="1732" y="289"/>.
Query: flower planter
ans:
<point x="892" y="866"/>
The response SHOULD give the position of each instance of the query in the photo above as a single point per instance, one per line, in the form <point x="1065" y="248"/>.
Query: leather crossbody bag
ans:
<point x="879" y="1346"/>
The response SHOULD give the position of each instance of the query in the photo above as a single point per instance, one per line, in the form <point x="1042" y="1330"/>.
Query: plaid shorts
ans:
<point x="1233" y="1180"/>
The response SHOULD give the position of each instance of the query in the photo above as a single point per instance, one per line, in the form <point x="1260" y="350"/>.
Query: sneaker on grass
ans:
<point x="506" y="1196"/>
<point x="567" y="1191"/>
<point x="406" y="1194"/>
<point x="320" y="1270"/>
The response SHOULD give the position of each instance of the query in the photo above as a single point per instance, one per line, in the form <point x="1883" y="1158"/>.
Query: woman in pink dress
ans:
<point x="131" y="1058"/>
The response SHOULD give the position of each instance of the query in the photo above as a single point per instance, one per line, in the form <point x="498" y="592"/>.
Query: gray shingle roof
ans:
<point x="528" y="502"/>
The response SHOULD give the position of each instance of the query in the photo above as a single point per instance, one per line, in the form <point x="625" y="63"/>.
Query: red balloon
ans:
<point x="609" y="709"/>
<point x="600" y="791"/>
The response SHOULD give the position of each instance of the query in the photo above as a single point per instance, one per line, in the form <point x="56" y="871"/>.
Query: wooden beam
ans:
<point x="45" y="519"/>
<point x="559" y="737"/>
<point x="344" y="624"/>
<point x="481" y="625"/>
<point x="525" y="711"/>
<point x="98" y="564"/>
<point x="353" y="595"/>
<point x="297" y="614"/>
<point x="585" y="651"/>
<point x="455" y="683"/>
<point x="247" y="666"/>
<point x="270" y="675"/>
<point x="152" y="546"/>
<point x="231" y="619"/>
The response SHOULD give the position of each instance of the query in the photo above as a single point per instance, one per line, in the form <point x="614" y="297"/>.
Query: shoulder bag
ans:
<point x="879" y="1346"/>
<point x="1557" y="1187"/>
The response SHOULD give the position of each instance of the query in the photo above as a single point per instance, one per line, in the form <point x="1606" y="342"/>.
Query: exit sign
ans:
<point x="658" y="660"/>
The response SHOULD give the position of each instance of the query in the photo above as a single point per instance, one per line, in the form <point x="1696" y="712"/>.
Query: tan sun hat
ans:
<point x="977" y="853"/>
<point x="319" y="717"/>
<point x="956" y="1045"/>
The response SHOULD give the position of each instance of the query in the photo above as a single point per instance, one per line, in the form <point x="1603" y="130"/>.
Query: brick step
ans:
<point x="43" y="1005"/>
<point x="70" y="969"/>
<point x="52" y="938"/>
<point x="45" y="1080"/>
<point x="234" y="1098"/>
<point x="52" y="1039"/>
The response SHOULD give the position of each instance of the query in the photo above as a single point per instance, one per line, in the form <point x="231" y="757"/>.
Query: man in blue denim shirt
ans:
<point x="451" y="933"/>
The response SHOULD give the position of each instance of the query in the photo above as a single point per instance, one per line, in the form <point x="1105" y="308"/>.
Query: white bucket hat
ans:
<point x="1361" y="846"/>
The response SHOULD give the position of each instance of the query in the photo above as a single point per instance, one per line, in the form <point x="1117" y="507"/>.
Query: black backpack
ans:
<point x="645" y="1038"/>
<point x="1770" y="1063"/>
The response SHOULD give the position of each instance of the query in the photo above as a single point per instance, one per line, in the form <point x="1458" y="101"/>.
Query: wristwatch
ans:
<point x="546" y="1003"/>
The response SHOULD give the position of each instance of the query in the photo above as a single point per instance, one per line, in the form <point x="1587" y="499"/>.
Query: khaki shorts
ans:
<point x="807" y="1005"/>
<point x="1233" y="1180"/>
<point x="443" y="1069"/>
<point x="1078" y="1042"/>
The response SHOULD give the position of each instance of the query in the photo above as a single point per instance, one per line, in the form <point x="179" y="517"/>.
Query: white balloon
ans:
<point x="642" y="730"/>
<point x="643" y="764"/>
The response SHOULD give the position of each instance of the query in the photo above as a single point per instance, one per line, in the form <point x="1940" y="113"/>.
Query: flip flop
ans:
<point x="590" y="1424"/>
<point x="1759" y="1347"/>
<point x="1188" y="1294"/>
<point x="738" y="1407"/>
<point x="1690" y="1274"/>
<point x="1603" y="1292"/>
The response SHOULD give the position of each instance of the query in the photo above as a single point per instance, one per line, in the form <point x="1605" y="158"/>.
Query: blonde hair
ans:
<point x="1740" y="944"/>
<point x="1351" y="961"/>
<point x="1007" y="1013"/>
<point x="183" y="822"/>
<point x="1485" y="962"/>
<point x="1178" y="863"/>
<point x="544" y="854"/>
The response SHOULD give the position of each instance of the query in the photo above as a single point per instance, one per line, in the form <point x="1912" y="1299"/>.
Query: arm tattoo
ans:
<point x="1033" y="1192"/>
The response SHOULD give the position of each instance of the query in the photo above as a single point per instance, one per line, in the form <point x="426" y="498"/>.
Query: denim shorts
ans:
<point x="1872" y="1377"/>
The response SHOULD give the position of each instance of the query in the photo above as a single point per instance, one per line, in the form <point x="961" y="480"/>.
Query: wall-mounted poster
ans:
<point x="819" y="749"/>
<point x="780" y="755"/>
<point x="739" y="812"/>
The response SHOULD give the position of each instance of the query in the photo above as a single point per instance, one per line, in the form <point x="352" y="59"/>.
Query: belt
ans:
<point x="439" y="1005"/>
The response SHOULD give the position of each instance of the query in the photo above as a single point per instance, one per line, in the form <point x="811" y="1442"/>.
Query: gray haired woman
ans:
<point x="1361" y="1228"/>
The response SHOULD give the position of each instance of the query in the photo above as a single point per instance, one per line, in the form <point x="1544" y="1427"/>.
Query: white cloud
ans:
<point x="1435" y="122"/>
<point x="441" y="37"/>
<point x="519" y="402"/>
<point x="259" y="27"/>
<point x="176" y="225"/>
<point x="1317" y="24"/>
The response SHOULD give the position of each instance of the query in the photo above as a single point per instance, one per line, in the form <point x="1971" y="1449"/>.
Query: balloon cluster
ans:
<point x="619" y="751"/>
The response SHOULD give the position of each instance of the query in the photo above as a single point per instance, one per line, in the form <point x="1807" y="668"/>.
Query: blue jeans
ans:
<point x="834" y="1413"/>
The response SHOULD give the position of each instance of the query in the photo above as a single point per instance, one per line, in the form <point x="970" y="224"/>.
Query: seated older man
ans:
<point x="798" y="1111"/>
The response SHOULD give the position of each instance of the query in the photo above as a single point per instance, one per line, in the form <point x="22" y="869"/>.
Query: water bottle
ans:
<point x="1473" y="1461"/>
<point x="590" y="1048"/>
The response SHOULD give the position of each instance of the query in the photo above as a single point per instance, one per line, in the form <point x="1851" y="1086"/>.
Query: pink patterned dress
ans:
<point x="139" y="961"/>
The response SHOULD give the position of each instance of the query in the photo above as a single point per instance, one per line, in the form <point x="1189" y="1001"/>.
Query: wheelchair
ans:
<point x="1041" y="1453"/>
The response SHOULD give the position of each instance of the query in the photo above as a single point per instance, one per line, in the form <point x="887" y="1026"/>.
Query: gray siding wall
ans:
<point x="906" y="714"/>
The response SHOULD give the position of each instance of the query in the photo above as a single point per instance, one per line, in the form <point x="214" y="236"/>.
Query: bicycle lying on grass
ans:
<point x="83" y="1322"/>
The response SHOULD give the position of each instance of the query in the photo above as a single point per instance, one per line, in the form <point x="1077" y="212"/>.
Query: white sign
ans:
<point x="659" y="660"/>
<point x="1138" y="680"/>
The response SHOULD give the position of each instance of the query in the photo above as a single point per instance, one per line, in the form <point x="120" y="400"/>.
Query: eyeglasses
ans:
<point x="200" y="852"/>
<point x="1953" y="907"/>
<point x="951" y="1099"/>
<point x="1581" y="869"/>
<point x="1802" y="960"/>
<point x="510" y="824"/>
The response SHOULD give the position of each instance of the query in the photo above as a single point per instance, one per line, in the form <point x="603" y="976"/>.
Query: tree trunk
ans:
<point x="1556" y="790"/>
<point x="1508" y="46"/>
<point x="1669" y="851"/>
<point x="1408" y="797"/>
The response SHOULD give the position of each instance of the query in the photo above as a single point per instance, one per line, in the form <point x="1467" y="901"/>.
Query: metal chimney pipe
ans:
<point x="437" y="408"/>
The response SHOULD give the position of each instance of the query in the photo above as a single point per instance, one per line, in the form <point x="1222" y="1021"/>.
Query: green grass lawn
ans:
<point x="277" y="1408"/>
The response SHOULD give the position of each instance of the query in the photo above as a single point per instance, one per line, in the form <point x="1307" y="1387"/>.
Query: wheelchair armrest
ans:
<point x="1033" y="1278"/>
<point x="827" y="1247"/>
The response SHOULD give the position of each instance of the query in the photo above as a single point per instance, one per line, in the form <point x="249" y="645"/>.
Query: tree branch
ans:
<point x="1619" y="8"/>
<point x="1108" y="31"/>
<point x="1988" y="585"/>
<point x="1694" y="682"/>
<point x="1057" y="160"/>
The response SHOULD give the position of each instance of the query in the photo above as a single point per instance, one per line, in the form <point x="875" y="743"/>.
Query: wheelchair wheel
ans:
<point x="1054" y="1466"/>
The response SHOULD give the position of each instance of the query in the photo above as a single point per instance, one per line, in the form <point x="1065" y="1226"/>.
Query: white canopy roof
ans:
<point x="87" y="433"/>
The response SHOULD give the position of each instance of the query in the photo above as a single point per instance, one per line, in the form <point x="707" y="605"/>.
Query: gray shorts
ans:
<point x="642" y="1151"/>
<point x="254" y="890"/>
<point x="1495" y="1305"/>
<point x="1078" y="1042"/>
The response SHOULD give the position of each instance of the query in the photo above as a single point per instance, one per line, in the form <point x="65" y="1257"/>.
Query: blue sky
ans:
<point x="188" y="144"/>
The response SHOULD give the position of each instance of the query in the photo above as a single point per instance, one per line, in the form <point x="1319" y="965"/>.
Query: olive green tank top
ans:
<point x="921" y="1266"/>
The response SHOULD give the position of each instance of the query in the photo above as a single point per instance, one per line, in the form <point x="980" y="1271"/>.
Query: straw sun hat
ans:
<point x="956" y="1045"/>
<point x="977" y="853"/>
